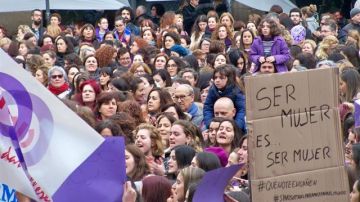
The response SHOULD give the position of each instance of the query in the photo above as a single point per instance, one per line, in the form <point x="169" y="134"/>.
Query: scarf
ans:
<point x="58" y="90"/>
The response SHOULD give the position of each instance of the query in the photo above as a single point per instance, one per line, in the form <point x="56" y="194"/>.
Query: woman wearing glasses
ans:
<point x="58" y="84"/>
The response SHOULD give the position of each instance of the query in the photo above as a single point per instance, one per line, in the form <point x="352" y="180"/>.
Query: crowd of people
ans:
<point x="172" y="83"/>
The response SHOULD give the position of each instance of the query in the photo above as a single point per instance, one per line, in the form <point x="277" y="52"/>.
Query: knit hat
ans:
<point x="220" y="153"/>
<point x="180" y="50"/>
<point x="354" y="12"/>
<point x="298" y="34"/>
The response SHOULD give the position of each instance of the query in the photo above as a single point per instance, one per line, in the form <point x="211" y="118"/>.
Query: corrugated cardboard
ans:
<point x="268" y="94"/>
<point x="281" y="150"/>
<point x="289" y="116"/>
<point x="319" y="185"/>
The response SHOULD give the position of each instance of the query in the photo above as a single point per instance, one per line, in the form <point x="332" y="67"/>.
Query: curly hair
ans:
<point x="133" y="108"/>
<point x="274" y="28"/>
<point x="157" y="148"/>
<point x="104" y="55"/>
<point x="215" y="34"/>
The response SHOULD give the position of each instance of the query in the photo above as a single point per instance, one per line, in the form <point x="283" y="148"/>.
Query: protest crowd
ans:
<point x="172" y="84"/>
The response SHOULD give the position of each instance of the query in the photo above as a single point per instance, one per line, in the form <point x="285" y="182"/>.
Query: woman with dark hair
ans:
<point x="160" y="61"/>
<point x="88" y="36"/>
<point x="46" y="40"/>
<point x="91" y="66"/>
<point x="89" y="90"/>
<point x="108" y="128"/>
<point x="246" y="40"/>
<point x="138" y="90"/>
<point x="220" y="59"/>
<point x="156" y="188"/>
<point x="135" y="161"/>
<point x="349" y="85"/>
<point x="206" y="161"/>
<point x="63" y="47"/>
<point x="157" y="98"/>
<point x="269" y="46"/>
<point x="162" y="78"/>
<point x="150" y="36"/>
<point x="157" y="11"/>
<point x="352" y="54"/>
<point x="228" y="135"/>
<point x="164" y="122"/>
<point x="204" y="45"/>
<point x="106" y="106"/>
<point x="237" y="58"/>
<point x="198" y="30"/>
<point x="174" y="65"/>
<point x="118" y="84"/>
<point x="170" y="39"/>
<point x="180" y="157"/>
<point x="101" y="28"/>
<point x="105" y="76"/>
<point x="175" y="110"/>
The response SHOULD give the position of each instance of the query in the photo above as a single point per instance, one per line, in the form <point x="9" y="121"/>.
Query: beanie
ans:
<point x="220" y="153"/>
<point x="179" y="49"/>
<point x="298" y="34"/>
<point x="354" y="12"/>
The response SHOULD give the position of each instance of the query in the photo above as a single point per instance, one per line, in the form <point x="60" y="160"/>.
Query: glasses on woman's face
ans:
<point x="60" y="76"/>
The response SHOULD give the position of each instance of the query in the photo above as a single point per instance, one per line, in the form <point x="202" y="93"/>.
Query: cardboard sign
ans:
<point x="295" y="146"/>
<point x="268" y="95"/>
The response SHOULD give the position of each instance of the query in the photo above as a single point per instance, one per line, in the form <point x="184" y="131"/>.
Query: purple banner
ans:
<point x="99" y="178"/>
<point x="357" y="113"/>
<point x="212" y="186"/>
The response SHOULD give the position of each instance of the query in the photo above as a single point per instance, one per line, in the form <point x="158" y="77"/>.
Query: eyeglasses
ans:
<point x="181" y="97"/>
<point x="60" y="76"/>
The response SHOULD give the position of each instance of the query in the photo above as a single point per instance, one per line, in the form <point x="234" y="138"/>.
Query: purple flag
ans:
<point x="357" y="113"/>
<point x="212" y="186"/>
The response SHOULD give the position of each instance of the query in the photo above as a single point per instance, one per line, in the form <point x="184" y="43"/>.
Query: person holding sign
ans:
<point x="270" y="47"/>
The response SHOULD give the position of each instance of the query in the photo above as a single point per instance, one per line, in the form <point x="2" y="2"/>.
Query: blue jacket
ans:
<point x="232" y="92"/>
<point x="279" y="50"/>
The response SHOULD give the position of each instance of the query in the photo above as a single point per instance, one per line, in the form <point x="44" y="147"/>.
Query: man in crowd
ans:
<point x="184" y="97"/>
<point x="36" y="25"/>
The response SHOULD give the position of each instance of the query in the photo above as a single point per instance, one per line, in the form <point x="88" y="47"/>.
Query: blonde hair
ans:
<point x="157" y="147"/>
<point x="231" y="19"/>
<point x="4" y="41"/>
<point x="136" y="65"/>
<point x="309" y="11"/>
<point x="325" y="46"/>
<point x="355" y="35"/>
<point x="309" y="41"/>
<point x="53" y="30"/>
<point x="24" y="29"/>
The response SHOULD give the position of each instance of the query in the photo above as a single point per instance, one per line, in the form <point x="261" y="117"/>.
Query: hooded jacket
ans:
<point x="279" y="50"/>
